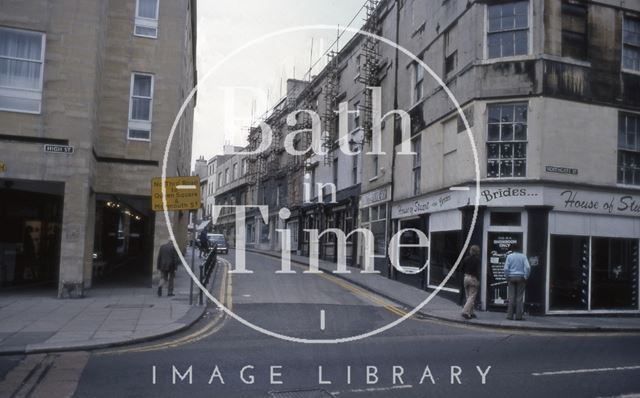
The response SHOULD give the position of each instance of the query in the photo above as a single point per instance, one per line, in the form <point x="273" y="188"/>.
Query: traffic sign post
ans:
<point x="182" y="193"/>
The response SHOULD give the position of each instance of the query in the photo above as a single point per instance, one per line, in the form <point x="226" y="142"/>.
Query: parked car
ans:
<point x="220" y="243"/>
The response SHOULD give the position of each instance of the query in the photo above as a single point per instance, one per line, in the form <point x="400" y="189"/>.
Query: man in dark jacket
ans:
<point x="167" y="264"/>
<point x="471" y="267"/>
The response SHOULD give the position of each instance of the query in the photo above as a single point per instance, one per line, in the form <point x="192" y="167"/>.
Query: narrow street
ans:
<point x="415" y="359"/>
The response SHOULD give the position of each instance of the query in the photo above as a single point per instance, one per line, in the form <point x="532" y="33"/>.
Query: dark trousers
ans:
<point x="515" y="296"/>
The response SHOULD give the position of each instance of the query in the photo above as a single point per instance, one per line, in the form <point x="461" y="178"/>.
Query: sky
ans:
<point x="246" y="84"/>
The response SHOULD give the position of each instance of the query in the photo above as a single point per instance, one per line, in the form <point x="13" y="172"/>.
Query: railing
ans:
<point x="206" y="269"/>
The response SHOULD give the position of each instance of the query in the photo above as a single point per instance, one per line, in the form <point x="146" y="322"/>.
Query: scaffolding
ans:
<point x="329" y="116"/>
<point x="370" y="57"/>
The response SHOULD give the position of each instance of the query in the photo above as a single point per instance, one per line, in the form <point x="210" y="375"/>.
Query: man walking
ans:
<point x="167" y="264"/>
<point x="471" y="268"/>
<point x="516" y="270"/>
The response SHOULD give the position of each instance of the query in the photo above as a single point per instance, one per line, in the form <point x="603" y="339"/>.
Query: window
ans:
<point x="21" y="67"/>
<point x="628" y="149"/>
<point x="450" y="53"/>
<point x="507" y="140"/>
<point x="354" y="168"/>
<point x="417" y="161"/>
<point x="226" y="175"/>
<point x="574" y="29"/>
<point x="140" y="107"/>
<point x="335" y="171"/>
<point x="245" y="167"/>
<point x="418" y="78"/>
<point x="146" y="18"/>
<point x="235" y="171"/>
<point x="375" y="166"/>
<point x="374" y="218"/>
<point x="631" y="44"/>
<point x="356" y="115"/>
<point x="508" y="29"/>
<point x="219" y="179"/>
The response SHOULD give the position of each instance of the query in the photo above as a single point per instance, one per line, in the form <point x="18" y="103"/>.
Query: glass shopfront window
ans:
<point x="374" y="218"/>
<point x="569" y="276"/>
<point x="614" y="273"/>
<point x="445" y="249"/>
<point x="608" y="265"/>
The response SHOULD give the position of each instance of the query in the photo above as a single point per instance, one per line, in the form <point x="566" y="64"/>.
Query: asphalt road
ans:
<point x="221" y="357"/>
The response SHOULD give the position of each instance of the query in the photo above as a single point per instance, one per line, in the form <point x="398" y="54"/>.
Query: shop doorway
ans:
<point x="123" y="241"/>
<point x="505" y="233"/>
<point x="30" y="237"/>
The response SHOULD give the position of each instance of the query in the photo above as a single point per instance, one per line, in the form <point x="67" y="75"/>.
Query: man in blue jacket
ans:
<point x="516" y="270"/>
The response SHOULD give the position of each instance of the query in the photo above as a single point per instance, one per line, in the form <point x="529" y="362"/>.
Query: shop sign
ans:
<point x="182" y="193"/>
<point x="64" y="149"/>
<point x="3" y="168"/>
<point x="500" y="243"/>
<point x="373" y="197"/>
<point x="561" y="170"/>
<point x="593" y="202"/>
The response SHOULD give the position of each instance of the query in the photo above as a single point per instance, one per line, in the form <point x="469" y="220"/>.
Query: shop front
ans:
<point x="582" y="244"/>
<point x="374" y="215"/>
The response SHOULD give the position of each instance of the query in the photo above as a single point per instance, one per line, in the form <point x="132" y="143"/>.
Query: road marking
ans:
<point x="458" y="188"/>
<point x="45" y="375"/>
<point x="595" y="370"/>
<point x="374" y="389"/>
<point x="213" y="327"/>
<point x="186" y="187"/>
<point x="321" y="319"/>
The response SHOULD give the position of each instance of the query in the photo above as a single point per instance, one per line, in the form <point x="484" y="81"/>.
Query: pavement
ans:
<point x="105" y="317"/>
<point x="444" y="309"/>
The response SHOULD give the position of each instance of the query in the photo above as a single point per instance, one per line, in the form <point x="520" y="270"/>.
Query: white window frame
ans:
<point x="140" y="124"/>
<point x="622" y="45"/>
<point x="143" y="22"/>
<point x="414" y="79"/>
<point x="26" y="93"/>
<point x="529" y="53"/>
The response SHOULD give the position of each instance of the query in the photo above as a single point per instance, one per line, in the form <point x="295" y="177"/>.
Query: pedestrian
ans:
<point x="516" y="270"/>
<point x="204" y="243"/>
<point x="471" y="269"/>
<point x="167" y="264"/>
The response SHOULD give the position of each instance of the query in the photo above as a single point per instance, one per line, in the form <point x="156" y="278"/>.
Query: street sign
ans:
<point x="183" y="193"/>
<point x="561" y="170"/>
<point x="65" y="149"/>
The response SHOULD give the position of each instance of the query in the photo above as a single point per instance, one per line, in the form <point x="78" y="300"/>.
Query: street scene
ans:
<point x="394" y="198"/>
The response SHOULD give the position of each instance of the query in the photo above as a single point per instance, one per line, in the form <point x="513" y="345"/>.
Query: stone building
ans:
<point x="550" y="90"/>
<point x="88" y="93"/>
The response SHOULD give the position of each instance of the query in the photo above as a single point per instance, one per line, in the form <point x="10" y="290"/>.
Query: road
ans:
<point x="221" y="357"/>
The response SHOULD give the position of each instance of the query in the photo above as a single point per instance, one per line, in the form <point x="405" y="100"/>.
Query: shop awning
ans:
<point x="203" y="225"/>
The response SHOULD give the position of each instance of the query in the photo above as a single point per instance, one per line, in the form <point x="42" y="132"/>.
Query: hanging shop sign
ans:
<point x="182" y="193"/>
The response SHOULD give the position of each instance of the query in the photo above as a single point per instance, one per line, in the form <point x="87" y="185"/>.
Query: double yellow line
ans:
<point x="225" y="297"/>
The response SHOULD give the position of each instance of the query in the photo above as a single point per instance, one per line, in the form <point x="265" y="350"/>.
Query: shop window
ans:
<point x="374" y="218"/>
<point x="507" y="219"/>
<point x="628" y="149"/>
<point x="614" y="273"/>
<point x="569" y="273"/>
<point x="507" y="140"/>
<point x="508" y="29"/>
<point x="445" y="249"/>
<point x="574" y="29"/>
<point x="631" y="44"/>
<point x="21" y="65"/>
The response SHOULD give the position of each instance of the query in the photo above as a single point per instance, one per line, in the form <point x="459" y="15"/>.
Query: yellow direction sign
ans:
<point x="183" y="193"/>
